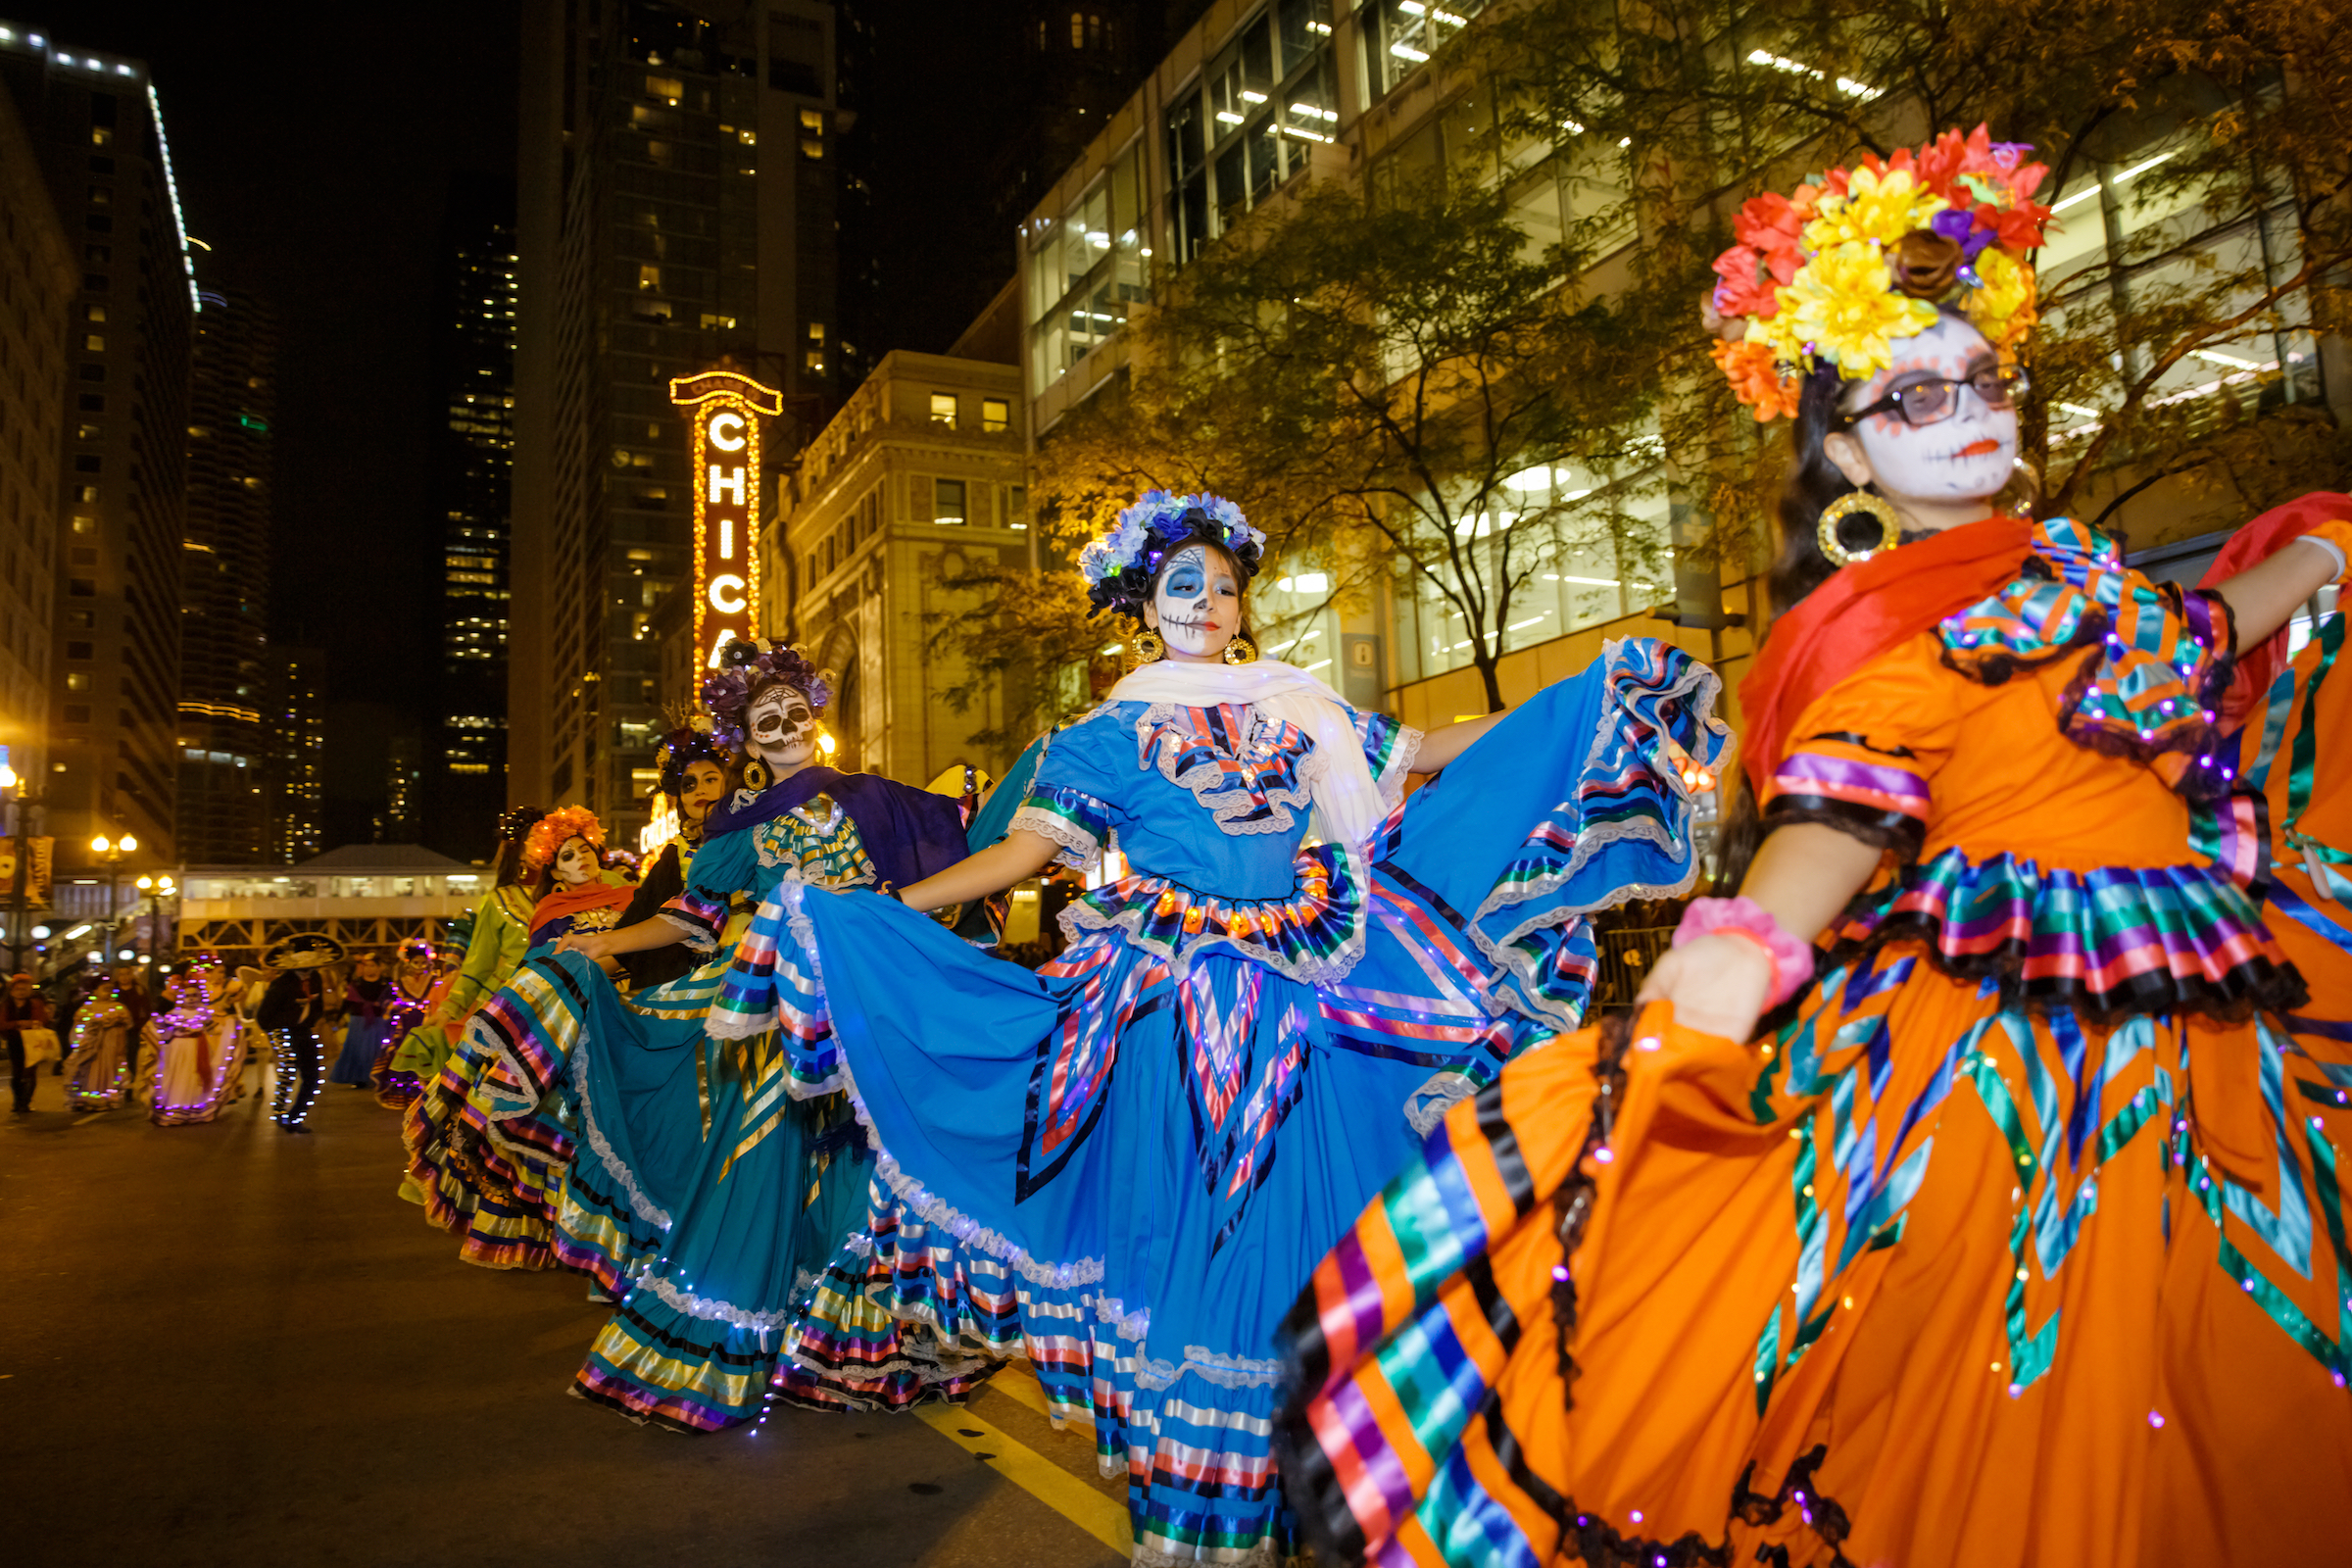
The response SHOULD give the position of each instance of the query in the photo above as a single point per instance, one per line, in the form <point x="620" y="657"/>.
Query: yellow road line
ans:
<point x="1038" y="1476"/>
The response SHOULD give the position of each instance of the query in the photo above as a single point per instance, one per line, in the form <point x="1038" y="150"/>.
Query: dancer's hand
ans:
<point x="597" y="946"/>
<point x="1718" y="984"/>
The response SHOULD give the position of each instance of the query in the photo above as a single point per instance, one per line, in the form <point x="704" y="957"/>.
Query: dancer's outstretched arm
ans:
<point x="2266" y="596"/>
<point x="1802" y="876"/>
<point x="1019" y="856"/>
<point x="1446" y="743"/>
<point x="643" y="937"/>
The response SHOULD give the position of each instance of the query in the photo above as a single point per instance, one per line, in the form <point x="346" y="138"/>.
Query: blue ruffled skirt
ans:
<point x="1125" y="1165"/>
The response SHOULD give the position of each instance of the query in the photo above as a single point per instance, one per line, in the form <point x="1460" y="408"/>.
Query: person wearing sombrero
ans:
<point x="289" y="1014"/>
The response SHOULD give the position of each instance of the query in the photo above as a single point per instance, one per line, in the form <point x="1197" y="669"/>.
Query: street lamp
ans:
<point x="157" y="888"/>
<point x="112" y="852"/>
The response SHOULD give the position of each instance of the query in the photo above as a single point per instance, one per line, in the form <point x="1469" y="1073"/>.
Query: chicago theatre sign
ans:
<point x="726" y="407"/>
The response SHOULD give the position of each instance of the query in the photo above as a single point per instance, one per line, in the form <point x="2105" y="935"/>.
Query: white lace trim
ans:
<point x="1079" y="847"/>
<point x="1207" y="780"/>
<point x="694" y="936"/>
<point x="645" y="1208"/>
<point x="1401" y="758"/>
<point x="1426" y="1106"/>
<point x="1082" y="917"/>
<point x="1700" y="685"/>
<point x="709" y="1310"/>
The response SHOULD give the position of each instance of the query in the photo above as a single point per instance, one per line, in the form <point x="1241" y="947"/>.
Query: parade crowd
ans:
<point x="1965" y="1187"/>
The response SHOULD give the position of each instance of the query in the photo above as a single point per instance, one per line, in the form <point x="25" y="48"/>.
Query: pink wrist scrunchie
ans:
<point x="1792" y="960"/>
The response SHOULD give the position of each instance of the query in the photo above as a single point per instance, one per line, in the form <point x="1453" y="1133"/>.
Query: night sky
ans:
<point x="315" y="146"/>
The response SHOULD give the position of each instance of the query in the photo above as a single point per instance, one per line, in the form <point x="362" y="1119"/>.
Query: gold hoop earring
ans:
<point x="755" y="776"/>
<point x="1145" y="648"/>
<point x="1241" y="651"/>
<point x="1890" y="527"/>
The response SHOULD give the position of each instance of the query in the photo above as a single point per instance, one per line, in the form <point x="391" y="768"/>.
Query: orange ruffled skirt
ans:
<point x="1919" y="1280"/>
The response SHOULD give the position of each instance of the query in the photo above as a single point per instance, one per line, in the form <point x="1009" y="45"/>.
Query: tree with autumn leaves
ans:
<point x="1368" y="375"/>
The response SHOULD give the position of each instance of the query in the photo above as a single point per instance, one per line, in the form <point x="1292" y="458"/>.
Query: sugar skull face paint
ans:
<point x="1967" y="455"/>
<point x="576" y="862"/>
<point x="704" y="784"/>
<point x="1197" y="605"/>
<point x="783" y="727"/>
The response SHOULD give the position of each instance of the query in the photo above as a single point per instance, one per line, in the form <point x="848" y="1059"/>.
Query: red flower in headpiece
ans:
<point x="1747" y="290"/>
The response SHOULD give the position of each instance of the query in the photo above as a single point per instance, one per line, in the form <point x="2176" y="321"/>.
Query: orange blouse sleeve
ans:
<point x="1864" y="756"/>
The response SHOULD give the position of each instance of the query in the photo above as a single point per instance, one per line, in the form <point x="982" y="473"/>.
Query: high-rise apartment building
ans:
<point x="114" y="640"/>
<point x="679" y="183"/>
<point x="295" y="733"/>
<point x="38" y="287"/>
<point x="223" y="812"/>
<point x="465" y="783"/>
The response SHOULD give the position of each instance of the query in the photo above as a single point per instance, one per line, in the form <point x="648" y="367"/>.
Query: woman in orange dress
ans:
<point x="2017" y="1234"/>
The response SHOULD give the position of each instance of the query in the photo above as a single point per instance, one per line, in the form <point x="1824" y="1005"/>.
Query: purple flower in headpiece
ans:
<point x="1956" y="224"/>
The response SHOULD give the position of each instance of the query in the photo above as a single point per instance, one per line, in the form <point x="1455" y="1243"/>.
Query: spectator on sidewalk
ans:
<point x="25" y="1024"/>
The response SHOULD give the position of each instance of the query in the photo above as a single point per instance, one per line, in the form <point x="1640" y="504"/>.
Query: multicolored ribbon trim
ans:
<point x="2162" y="658"/>
<point x="2103" y="942"/>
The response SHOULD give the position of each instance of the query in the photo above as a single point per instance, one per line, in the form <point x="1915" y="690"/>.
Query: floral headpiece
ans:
<point x="694" y="742"/>
<point x="741" y="664"/>
<point x="1856" y="259"/>
<point x="553" y="831"/>
<point x="1119" y="566"/>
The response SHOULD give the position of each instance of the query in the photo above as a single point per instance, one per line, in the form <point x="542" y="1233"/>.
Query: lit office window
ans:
<point x="1251" y="124"/>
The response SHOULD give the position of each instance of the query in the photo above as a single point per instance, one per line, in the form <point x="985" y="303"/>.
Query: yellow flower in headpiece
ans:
<point x="2002" y="305"/>
<point x="1843" y="305"/>
<point x="1881" y="207"/>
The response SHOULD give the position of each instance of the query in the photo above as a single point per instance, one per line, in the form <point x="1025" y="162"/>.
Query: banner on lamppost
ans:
<point x="35" y="853"/>
<point x="725" y="409"/>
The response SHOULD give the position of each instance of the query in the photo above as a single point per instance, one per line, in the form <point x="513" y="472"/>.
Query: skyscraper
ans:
<point x="35" y="269"/>
<point x="295" y="733"/>
<point x="473" y="483"/>
<point x="225" y="584"/>
<point x="678" y="183"/>
<point x="115" y="642"/>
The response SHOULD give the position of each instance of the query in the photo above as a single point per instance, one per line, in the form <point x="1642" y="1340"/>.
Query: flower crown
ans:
<point x="695" y="742"/>
<point x="728" y="693"/>
<point x="551" y="832"/>
<point x="1119" y="566"/>
<point x="1856" y="259"/>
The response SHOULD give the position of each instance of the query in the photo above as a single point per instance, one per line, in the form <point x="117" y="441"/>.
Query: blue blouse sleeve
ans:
<point x="1079" y="777"/>
<point x="1390" y="747"/>
<point x="723" y="868"/>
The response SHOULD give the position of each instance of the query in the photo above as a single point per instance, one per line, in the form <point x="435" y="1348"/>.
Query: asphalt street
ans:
<point x="226" y="1345"/>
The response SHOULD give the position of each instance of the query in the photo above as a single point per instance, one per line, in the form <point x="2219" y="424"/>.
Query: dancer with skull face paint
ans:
<point x="495" y="1187"/>
<point x="690" y="1195"/>
<point x="1122" y="1165"/>
<point x="1995" y="1246"/>
<point x="697" y="772"/>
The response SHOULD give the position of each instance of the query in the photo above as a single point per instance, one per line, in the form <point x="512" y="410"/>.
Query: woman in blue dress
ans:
<point x="1123" y="1164"/>
<point x="689" y="1192"/>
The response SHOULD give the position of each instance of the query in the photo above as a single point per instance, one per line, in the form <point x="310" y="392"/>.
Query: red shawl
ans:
<point x="2257" y="542"/>
<point x="562" y="903"/>
<point x="1861" y="612"/>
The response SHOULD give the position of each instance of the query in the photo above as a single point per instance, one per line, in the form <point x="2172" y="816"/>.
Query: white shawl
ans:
<point x="1349" y="805"/>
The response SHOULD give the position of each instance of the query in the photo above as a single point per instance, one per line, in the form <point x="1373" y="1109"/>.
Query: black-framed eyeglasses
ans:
<point x="1936" y="399"/>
